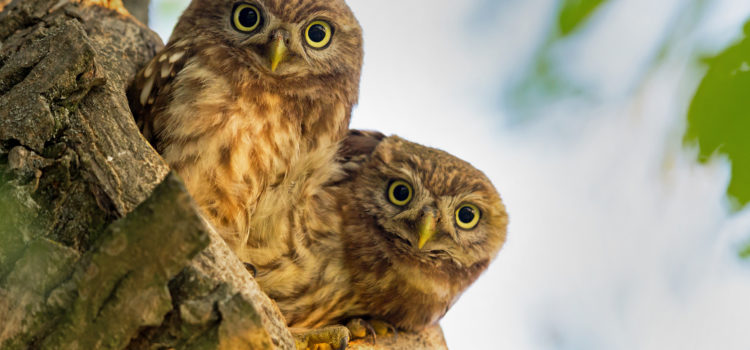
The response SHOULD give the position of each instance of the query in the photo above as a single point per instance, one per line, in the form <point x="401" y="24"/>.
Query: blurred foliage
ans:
<point x="719" y="117"/>
<point x="542" y="79"/>
<point x="541" y="82"/>
<point x="170" y="7"/>
<point x="573" y="13"/>
<point x="545" y="78"/>
<point x="745" y="253"/>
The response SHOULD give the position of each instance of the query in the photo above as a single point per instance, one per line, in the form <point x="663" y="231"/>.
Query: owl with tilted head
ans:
<point x="396" y="234"/>
<point x="421" y="227"/>
<point x="244" y="90"/>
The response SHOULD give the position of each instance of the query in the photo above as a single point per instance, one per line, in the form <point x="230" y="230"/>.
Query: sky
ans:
<point x="618" y="238"/>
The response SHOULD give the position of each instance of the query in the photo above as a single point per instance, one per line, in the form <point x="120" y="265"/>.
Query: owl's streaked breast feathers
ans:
<point x="244" y="91"/>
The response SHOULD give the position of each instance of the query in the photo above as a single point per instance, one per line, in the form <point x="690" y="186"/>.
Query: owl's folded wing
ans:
<point x="150" y="90"/>
<point x="358" y="145"/>
<point x="354" y="150"/>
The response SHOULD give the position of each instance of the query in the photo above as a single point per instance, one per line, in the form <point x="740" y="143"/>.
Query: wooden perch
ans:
<point x="100" y="246"/>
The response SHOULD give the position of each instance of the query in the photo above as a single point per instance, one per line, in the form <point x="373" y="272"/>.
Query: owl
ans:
<point x="244" y="90"/>
<point x="393" y="231"/>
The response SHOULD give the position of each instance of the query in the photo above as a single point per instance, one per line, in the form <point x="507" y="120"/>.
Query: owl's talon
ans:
<point x="360" y="328"/>
<point x="326" y="338"/>
<point x="383" y="328"/>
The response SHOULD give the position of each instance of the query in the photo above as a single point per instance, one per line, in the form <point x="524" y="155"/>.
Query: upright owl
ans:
<point x="243" y="91"/>
<point x="397" y="233"/>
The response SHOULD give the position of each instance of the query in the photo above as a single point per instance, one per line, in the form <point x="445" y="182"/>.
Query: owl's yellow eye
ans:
<point x="467" y="216"/>
<point x="400" y="193"/>
<point x="318" y="34"/>
<point x="246" y="18"/>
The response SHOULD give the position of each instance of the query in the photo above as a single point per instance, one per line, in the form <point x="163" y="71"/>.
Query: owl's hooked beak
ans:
<point x="277" y="51"/>
<point x="426" y="229"/>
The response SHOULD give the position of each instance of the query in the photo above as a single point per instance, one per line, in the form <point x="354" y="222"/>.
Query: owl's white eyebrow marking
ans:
<point x="147" y="90"/>
<point x="177" y="56"/>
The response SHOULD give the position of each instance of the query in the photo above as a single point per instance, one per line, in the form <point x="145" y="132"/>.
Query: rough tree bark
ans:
<point x="100" y="246"/>
<point x="138" y="8"/>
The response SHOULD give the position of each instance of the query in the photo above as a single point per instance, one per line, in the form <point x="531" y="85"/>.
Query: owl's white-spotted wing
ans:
<point x="150" y="90"/>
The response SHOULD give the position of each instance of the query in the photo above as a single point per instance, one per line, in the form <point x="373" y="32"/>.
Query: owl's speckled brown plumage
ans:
<point x="351" y="252"/>
<point x="230" y="121"/>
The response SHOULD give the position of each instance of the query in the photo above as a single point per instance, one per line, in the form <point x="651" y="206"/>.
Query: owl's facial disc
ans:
<point x="400" y="193"/>
<point x="293" y="41"/>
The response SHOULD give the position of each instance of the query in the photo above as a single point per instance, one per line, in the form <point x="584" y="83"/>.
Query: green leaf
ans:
<point x="745" y="253"/>
<point x="574" y="13"/>
<point x="719" y="117"/>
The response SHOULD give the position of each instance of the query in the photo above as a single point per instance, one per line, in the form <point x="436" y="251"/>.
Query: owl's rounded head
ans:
<point x="428" y="208"/>
<point x="282" y="41"/>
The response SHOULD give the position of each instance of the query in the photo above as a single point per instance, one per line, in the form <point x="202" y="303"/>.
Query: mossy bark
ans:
<point x="100" y="246"/>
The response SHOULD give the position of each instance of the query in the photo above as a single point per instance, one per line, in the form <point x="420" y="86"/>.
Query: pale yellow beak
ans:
<point x="426" y="229"/>
<point x="277" y="52"/>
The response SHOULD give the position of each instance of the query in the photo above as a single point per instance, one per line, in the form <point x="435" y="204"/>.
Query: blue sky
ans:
<point x="618" y="238"/>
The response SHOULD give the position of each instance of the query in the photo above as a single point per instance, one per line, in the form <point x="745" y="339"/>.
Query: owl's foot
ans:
<point x="326" y="338"/>
<point x="360" y="328"/>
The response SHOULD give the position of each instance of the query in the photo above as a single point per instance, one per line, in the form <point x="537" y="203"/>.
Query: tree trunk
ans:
<point x="100" y="246"/>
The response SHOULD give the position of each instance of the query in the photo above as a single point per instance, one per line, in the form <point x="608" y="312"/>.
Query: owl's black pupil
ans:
<point x="317" y="33"/>
<point x="466" y="215"/>
<point x="248" y="17"/>
<point x="401" y="193"/>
